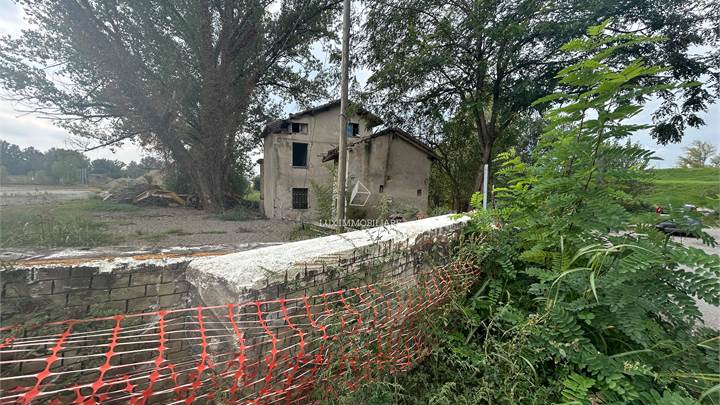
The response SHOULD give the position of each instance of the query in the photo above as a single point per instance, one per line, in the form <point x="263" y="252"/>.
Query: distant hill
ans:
<point x="685" y="186"/>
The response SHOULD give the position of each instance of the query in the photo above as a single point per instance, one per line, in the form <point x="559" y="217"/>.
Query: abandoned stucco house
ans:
<point x="301" y="150"/>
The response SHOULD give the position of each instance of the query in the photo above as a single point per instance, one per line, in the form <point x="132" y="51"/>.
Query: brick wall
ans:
<point x="38" y="295"/>
<point x="87" y="288"/>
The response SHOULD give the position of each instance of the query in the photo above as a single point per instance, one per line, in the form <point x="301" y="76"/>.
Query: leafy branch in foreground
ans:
<point x="574" y="307"/>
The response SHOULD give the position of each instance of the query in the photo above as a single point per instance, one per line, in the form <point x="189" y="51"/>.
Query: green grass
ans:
<point x="67" y="224"/>
<point x="155" y="237"/>
<point x="253" y="195"/>
<point x="306" y="231"/>
<point x="675" y="187"/>
<point x="238" y="214"/>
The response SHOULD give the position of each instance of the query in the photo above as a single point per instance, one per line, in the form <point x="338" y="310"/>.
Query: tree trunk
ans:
<point x="209" y="177"/>
<point x="209" y="184"/>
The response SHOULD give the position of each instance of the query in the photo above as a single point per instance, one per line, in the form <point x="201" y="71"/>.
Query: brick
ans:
<point x="77" y="311"/>
<point x="117" y="281"/>
<point x="100" y="281"/>
<point x="15" y="276"/>
<point x="143" y="304"/>
<point x="46" y="303"/>
<point x="116" y="307"/>
<point x="88" y="297"/>
<point x="172" y="276"/>
<point x="145" y="278"/>
<point x="33" y="366"/>
<point x="17" y="290"/>
<point x="83" y="272"/>
<point x="71" y="284"/>
<point x="52" y="273"/>
<point x="168" y="301"/>
<point x="127" y="293"/>
<point x="165" y="289"/>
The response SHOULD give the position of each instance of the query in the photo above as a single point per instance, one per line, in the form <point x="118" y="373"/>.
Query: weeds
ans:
<point x="573" y="308"/>
<point x="238" y="214"/>
<point x="306" y="231"/>
<point x="67" y="224"/>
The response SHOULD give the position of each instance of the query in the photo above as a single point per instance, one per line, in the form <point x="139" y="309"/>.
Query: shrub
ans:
<point x="573" y="308"/>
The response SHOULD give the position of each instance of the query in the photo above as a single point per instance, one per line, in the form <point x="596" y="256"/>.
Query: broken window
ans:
<point x="299" y="198"/>
<point x="381" y="188"/>
<point x="299" y="154"/>
<point x="419" y="192"/>
<point x="353" y="129"/>
<point x="297" y="127"/>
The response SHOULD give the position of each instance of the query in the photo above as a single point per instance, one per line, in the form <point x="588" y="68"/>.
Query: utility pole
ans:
<point x="342" y="144"/>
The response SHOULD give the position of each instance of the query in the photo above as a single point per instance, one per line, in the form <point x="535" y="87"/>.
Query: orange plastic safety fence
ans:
<point x="290" y="350"/>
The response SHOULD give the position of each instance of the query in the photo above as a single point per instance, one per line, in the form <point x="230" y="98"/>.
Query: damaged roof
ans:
<point x="332" y="154"/>
<point x="279" y="125"/>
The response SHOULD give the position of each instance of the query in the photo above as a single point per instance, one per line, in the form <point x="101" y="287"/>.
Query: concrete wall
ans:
<point x="280" y="177"/>
<point x="324" y="264"/>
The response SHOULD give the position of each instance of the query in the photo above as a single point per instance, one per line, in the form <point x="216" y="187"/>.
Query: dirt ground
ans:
<point x="162" y="226"/>
<point x="14" y="195"/>
<point x="152" y="226"/>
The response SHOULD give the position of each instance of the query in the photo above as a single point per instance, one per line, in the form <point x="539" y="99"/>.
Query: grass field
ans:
<point x="675" y="187"/>
<point x="58" y="225"/>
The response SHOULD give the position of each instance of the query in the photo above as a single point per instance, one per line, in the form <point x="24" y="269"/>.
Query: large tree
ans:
<point x="192" y="78"/>
<point x="697" y="154"/>
<point x="493" y="58"/>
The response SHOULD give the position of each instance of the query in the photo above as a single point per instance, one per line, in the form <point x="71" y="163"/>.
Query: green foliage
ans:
<point x="697" y="154"/>
<point x="192" y="80"/>
<point x="239" y="213"/>
<point x="450" y="184"/>
<point x="178" y="181"/>
<point x="572" y="307"/>
<point x="324" y="200"/>
<point x="107" y="167"/>
<point x="306" y="231"/>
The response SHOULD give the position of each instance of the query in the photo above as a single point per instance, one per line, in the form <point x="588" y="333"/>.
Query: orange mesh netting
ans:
<point x="290" y="350"/>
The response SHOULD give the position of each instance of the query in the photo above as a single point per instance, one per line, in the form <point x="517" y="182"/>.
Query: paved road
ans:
<point x="711" y="313"/>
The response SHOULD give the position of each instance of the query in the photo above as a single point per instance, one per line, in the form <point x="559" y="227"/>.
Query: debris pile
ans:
<point x="145" y="195"/>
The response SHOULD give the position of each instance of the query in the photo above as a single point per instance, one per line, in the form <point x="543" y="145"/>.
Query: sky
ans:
<point x="31" y="130"/>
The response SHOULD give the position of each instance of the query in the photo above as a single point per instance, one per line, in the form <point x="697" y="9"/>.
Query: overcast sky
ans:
<point x="29" y="130"/>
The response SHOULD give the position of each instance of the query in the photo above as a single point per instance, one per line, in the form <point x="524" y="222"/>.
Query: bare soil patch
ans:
<point x="174" y="226"/>
<point x="56" y="216"/>
<point x="17" y="195"/>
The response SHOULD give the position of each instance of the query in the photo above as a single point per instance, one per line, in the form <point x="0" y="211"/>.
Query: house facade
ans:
<point x="301" y="150"/>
